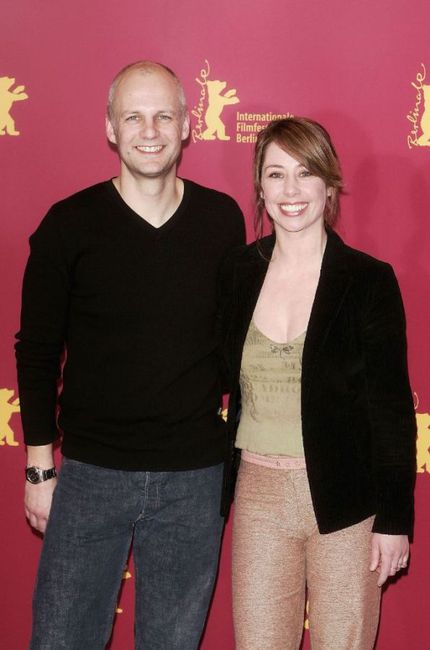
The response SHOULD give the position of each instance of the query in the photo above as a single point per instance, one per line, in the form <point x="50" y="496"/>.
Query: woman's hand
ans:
<point x="389" y="554"/>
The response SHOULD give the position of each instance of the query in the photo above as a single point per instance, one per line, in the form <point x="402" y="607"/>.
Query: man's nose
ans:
<point x="148" y="128"/>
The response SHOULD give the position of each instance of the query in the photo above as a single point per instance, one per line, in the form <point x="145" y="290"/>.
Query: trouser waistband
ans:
<point x="274" y="462"/>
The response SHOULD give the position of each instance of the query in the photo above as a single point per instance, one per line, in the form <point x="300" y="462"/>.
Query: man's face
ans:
<point x="147" y="124"/>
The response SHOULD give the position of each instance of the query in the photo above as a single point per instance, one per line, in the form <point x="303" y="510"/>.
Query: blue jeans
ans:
<point x="173" y="520"/>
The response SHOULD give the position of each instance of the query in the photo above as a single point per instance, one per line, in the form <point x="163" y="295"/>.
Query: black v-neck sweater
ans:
<point x="133" y="307"/>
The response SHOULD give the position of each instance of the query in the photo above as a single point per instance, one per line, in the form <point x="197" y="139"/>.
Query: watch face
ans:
<point x="33" y="475"/>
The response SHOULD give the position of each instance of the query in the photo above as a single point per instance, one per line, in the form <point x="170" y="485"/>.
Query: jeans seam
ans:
<point x="145" y="497"/>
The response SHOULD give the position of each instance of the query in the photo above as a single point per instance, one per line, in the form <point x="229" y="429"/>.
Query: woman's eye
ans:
<point x="305" y="172"/>
<point x="275" y="175"/>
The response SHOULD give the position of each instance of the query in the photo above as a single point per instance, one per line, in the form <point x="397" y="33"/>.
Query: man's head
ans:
<point x="147" y="119"/>
<point x="144" y="67"/>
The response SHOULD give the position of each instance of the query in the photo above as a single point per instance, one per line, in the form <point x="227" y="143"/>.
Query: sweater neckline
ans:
<point x="167" y="226"/>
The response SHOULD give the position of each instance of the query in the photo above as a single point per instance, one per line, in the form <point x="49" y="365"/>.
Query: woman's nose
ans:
<point x="290" y="186"/>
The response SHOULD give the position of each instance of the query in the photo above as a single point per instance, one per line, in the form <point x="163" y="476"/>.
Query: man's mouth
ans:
<point x="154" y="148"/>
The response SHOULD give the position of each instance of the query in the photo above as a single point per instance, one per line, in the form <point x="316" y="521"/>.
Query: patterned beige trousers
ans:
<point x="278" y="551"/>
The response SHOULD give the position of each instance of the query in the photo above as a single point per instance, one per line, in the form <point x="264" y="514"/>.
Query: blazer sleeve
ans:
<point x="391" y="408"/>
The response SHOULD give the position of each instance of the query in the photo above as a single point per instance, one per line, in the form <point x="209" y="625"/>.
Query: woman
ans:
<point x="314" y="336"/>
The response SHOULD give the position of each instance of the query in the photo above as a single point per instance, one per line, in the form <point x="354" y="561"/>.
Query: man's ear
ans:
<point x="110" y="131"/>
<point x="186" y="126"/>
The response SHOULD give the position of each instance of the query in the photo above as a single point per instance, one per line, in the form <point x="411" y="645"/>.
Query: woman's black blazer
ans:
<point x="358" y="419"/>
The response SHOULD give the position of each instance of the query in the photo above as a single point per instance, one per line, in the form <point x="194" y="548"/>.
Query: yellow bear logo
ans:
<point x="306" y="623"/>
<point x="216" y="102"/>
<point x="7" y="98"/>
<point x="7" y="409"/>
<point x="424" y="139"/>
<point x="125" y="576"/>
<point x="423" y="442"/>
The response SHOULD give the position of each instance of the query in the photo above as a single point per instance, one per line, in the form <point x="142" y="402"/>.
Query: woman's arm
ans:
<point x="391" y="411"/>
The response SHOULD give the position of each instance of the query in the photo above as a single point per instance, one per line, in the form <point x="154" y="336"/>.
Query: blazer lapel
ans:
<point x="250" y="277"/>
<point x="335" y="280"/>
<point x="334" y="283"/>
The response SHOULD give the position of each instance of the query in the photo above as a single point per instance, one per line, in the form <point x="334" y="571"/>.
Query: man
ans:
<point x="122" y="276"/>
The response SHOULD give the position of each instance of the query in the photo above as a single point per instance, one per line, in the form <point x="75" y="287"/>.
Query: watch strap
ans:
<point x="36" y="475"/>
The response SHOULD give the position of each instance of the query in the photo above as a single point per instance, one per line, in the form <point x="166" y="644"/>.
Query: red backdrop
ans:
<point x="359" y="67"/>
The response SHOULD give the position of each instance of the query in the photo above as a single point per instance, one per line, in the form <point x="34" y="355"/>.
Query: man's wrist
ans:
<point x="35" y="475"/>
<point x="41" y="456"/>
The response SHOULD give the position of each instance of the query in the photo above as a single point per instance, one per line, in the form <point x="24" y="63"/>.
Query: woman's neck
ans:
<point x="302" y="248"/>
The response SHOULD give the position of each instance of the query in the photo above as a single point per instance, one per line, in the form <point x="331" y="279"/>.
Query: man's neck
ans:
<point x="153" y="199"/>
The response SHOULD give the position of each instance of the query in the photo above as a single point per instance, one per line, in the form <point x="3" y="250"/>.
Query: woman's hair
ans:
<point x="310" y="144"/>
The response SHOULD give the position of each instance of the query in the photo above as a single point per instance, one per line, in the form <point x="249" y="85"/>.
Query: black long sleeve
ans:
<point x="133" y="309"/>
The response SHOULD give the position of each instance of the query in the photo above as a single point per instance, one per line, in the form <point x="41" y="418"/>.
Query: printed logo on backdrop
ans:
<point x="423" y="443"/>
<point x="8" y="406"/>
<point x="8" y="96"/>
<point x="423" y="439"/>
<point x="419" y="115"/>
<point x="214" y="98"/>
<point x="125" y="576"/>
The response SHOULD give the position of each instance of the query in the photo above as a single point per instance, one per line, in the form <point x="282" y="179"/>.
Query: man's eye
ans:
<point x="131" y="118"/>
<point x="164" y="117"/>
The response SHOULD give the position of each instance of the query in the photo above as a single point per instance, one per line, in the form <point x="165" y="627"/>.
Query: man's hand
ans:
<point x="38" y="497"/>
<point x="389" y="554"/>
<point x="37" y="503"/>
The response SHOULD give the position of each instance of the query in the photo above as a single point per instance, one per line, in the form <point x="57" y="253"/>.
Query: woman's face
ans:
<point x="293" y="197"/>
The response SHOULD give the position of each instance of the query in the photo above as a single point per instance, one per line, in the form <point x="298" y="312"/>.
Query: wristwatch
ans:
<point x="37" y="475"/>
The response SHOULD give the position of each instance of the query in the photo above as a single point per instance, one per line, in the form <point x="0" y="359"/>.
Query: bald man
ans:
<point x="122" y="277"/>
